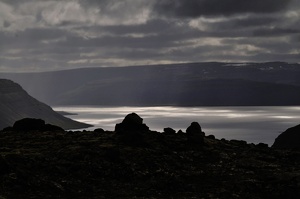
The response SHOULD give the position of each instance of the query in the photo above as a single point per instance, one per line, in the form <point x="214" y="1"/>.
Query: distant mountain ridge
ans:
<point x="193" y="84"/>
<point x="16" y="104"/>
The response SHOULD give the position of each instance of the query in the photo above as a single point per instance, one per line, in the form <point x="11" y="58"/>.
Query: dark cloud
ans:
<point x="31" y="38"/>
<point x="100" y="3"/>
<point x="48" y="35"/>
<point x="197" y="8"/>
<point x="39" y="34"/>
<point x="267" y="32"/>
<point x="13" y="2"/>
<point x="146" y="42"/>
<point x="255" y="21"/>
<point x="268" y="45"/>
<point x="154" y="26"/>
<point x="6" y="24"/>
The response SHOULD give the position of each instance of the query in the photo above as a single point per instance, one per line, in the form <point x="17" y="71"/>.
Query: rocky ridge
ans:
<point x="135" y="162"/>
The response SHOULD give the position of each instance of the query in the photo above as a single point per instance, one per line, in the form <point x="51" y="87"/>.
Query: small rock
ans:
<point x="99" y="130"/>
<point x="239" y="142"/>
<point x="169" y="130"/>
<point x="211" y="137"/>
<point x="262" y="145"/>
<point x="50" y="127"/>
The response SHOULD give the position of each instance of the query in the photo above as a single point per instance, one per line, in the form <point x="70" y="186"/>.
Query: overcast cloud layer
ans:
<point x="43" y="35"/>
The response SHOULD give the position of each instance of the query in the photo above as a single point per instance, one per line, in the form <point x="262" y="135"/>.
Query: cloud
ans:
<point x="60" y="34"/>
<point x="255" y="21"/>
<point x="275" y="32"/>
<point x="37" y="13"/>
<point x="125" y="12"/>
<point x="197" y="8"/>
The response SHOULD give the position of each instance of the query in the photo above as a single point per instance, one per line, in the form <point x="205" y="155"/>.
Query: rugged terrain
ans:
<point x="16" y="104"/>
<point x="189" y="84"/>
<point x="135" y="162"/>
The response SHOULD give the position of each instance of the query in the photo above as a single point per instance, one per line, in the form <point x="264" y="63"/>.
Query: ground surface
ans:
<point x="142" y="165"/>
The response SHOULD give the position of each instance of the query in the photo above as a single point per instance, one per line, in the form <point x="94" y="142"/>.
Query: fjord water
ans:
<point x="252" y="124"/>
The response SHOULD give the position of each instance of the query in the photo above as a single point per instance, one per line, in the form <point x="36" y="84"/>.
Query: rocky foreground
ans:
<point x="134" y="162"/>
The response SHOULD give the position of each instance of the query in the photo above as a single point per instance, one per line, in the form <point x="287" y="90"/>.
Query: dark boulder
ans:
<point x="99" y="130"/>
<point x="289" y="139"/>
<point x="50" y="127"/>
<point x="194" y="128"/>
<point x="194" y="134"/>
<point x="262" y="145"/>
<point x="132" y="122"/>
<point x="31" y="124"/>
<point x="132" y="131"/>
<point x="169" y="130"/>
<point x="239" y="143"/>
<point x="212" y="137"/>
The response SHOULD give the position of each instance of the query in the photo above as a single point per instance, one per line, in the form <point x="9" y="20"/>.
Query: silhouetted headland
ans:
<point x="289" y="139"/>
<point x="134" y="162"/>
<point x="16" y="104"/>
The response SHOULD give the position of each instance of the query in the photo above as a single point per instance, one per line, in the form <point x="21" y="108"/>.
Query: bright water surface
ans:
<point x="252" y="124"/>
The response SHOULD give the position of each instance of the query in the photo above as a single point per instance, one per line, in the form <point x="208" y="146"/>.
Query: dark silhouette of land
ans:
<point x="135" y="162"/>
<point x="290" y="139"/>
<point x="195" y="84"/>
<point x="16" y="104"/>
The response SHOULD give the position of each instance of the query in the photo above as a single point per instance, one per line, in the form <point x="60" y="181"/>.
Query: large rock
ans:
<point x="29" y="124"/>
<point x="169" y="130"/>
<point x="195" y="134"/>
<point x="132" y="130"/>
<point x="132" y="122"/>
<point x="289" y="139"/>
<point x="32" y="124"/>
<point x="194" y="128"/>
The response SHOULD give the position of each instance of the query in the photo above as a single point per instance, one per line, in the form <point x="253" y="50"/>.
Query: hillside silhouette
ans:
<point x="16" y="104"/>
<point x="194" y="84"/>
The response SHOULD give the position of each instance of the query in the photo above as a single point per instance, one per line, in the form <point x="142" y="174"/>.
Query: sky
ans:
<point x="47" y="35"/>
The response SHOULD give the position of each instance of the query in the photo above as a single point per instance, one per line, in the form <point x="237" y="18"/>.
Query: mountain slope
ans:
<point x="194" y="84"/>
<point x="15" y="104"/>
<point x="216" y="92"/>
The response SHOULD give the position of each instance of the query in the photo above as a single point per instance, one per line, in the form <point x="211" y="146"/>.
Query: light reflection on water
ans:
<point x="253" y="124"/>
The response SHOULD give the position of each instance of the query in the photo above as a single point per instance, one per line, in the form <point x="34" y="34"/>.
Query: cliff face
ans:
<point x="16" y="104"/>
